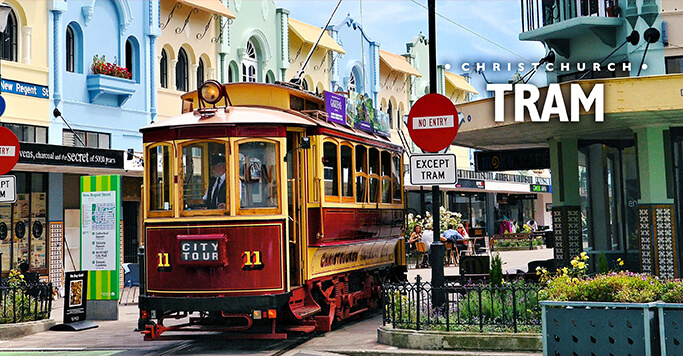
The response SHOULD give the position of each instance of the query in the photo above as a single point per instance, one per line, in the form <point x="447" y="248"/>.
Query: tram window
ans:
<point x="374" y="161"/>
<point x="361" y="173"/>
<point x="159" y="165"/>
<point x="203" y="176"/>
<point x="259" y="183"/>
<point x="347" y="171"/>
<point x="330" y="164"/>
<point x="311" y="105"/>
<point x="296" y="103"/>
<point x="374" y="186"/>
<point x="395" y="174"/>
<point x="386" y="176"/>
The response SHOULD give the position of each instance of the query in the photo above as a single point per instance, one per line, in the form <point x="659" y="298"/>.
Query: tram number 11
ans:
<point x="163" y="265"/>
<point x="252" y="260"/>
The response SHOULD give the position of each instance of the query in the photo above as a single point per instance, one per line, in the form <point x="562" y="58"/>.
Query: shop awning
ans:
<point x="210" y="6"/>
<point x="309" y="33"/>
<point x="397" y="63"/>
<point x="459" y="82"/>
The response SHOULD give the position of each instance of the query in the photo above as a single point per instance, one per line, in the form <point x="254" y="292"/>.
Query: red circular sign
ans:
<point x="433" y="122"/>
<point x="9" y="150"/>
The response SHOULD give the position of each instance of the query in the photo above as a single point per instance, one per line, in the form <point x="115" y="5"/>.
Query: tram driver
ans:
<point x="215" y="193"/>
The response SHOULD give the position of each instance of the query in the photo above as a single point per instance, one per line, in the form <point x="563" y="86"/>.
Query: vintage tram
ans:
<point x="261" y="217"/>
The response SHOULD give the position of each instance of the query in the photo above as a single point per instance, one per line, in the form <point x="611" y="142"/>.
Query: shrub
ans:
<point x="496" y="273"/>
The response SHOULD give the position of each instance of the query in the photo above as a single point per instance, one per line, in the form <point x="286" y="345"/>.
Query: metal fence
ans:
<point x="25" y="302"/>
<point x="511" y="307"/>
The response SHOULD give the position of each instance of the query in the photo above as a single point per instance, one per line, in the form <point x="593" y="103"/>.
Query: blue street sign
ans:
<point x="2" y="105"/>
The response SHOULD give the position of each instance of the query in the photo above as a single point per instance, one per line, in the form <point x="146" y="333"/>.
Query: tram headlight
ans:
<point x="211" y="91"/>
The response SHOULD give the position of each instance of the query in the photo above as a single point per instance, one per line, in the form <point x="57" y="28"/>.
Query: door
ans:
<point x="296" y="191"/>
<point x="131" y="211"/>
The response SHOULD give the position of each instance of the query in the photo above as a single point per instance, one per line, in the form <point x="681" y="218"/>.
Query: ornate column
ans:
<point x="171" y="74"/>
<point x="658" y="249"/>
<point x="26" y="44"/>
<point x="564" y="162"/>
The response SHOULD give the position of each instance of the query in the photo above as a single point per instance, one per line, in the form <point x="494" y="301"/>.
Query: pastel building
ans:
<point x="187" y="52"/>
<point x="615" y="173"/>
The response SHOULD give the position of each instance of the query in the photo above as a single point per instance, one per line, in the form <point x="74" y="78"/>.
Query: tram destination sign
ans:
<point x="433" y="169"/>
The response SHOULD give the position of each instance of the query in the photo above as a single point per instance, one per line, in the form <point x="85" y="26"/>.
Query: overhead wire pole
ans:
<point x="437" y="255"/>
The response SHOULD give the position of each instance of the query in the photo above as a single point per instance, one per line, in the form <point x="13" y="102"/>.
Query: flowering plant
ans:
<point x="573" y="284"/>
<point x="101" y="66"/>
<point x="15" y="278"/>
<point x="446" y="217"/>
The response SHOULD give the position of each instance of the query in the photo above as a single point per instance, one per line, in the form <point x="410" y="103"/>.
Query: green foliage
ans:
<point x="496" y="273"/>
<point x="446" y="217"/>
<point x="603" y="266"/>
<point x="624" y="287"/>
<point x="672" y="292"/>
<point x="16" y="303"/>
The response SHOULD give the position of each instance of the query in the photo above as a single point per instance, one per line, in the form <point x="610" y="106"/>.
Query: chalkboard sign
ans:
<point x="74" y="298"/>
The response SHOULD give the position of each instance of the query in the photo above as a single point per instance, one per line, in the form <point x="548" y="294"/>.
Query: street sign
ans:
<point x="433" y="169"/>
<point x="8" y="189"/>
<point x="9" y="150"/>
<point x="432" y="122"/>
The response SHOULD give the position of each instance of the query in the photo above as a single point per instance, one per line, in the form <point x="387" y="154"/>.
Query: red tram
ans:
<point x="261" y="217"/>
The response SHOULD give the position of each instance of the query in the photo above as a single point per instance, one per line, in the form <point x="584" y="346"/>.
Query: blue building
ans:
<point x="358" y="69"/>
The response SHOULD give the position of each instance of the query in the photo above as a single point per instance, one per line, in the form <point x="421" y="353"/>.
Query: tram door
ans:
<point x="296" y="191"/>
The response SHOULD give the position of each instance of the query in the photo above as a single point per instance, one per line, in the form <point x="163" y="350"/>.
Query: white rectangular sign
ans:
<point x="433" y="169"/>
<point x="8" y="189"/>
<point x="98" y="231"/>
<point x="433" y="122"/>
<point x="7" y="151"/>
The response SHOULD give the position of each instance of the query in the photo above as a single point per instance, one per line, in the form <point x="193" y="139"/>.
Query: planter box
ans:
<point x="670" y="328"/>
<point x="591" y="328"/>
<point x="103" y="88"/>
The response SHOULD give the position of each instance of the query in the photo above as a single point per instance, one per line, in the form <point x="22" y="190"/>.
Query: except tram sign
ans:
<point x="433" y="122"/>
<point x="9" y="150"/>
<point x="433" y="169"/>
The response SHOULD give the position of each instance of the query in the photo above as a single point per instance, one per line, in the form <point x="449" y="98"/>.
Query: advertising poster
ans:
<point x="74" y="297"/>
<point x="359" y="108"/>
<point x="100" y="216"/>
<point x="335" y="106"/>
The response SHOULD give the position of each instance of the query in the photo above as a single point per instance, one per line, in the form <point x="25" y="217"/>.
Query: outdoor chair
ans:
<point x="131" y="282"/>
<point x="420" y="253"/>
<point x="452" y="253"/>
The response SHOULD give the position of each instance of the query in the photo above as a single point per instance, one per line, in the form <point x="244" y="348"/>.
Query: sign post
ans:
<point x="432" y="124"/>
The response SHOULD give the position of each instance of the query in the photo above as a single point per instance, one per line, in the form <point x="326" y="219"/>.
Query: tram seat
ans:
<point x="131" y="282"/>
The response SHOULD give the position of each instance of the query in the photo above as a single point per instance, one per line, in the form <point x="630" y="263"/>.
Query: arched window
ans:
<point x="181" y="77"/>
<point x="270" y="77"/>
<point x="352" y="82"/>
<point x="70" y="49"/>
<point x="391" y="115"/>
<point x="8" y="44"/>
<point x="249" y="63"/>
<point x="163" y="69"/>
<point x="132" y="58"/>
<point x="200" y="73"/>
<point x="232" y="72"/>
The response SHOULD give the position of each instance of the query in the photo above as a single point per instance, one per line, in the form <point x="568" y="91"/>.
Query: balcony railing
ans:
<point x="538" y="13"/>
<point x="502" y="177"/>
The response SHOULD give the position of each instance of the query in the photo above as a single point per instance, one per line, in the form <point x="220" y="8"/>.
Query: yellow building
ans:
<point x="187" y="50"/>
<point x="302" y="37"/>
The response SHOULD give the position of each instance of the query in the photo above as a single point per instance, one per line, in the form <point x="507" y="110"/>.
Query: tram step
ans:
<point x="305" y="311"/>
<point x="300" y="328"/>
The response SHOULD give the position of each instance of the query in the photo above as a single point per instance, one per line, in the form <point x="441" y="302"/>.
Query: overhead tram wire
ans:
<point x="476" y="34"/>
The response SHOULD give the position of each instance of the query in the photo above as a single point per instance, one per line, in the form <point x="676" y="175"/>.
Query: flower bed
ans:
<point x="21" y="301"/>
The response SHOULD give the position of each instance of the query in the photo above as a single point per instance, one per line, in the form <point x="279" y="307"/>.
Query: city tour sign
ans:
<point x="432" y="122"/>
<point x="9" y="150"/>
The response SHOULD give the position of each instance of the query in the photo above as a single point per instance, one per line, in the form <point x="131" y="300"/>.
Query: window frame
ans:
<point x="182" y="71"/>
<point x="200" y="72"/>
<point x="352" y="197"/>
<point x="205" y="166"/>
<point x="332" y="198"/>
<point x="277" y="174"/>
<point x="70" y="49"/>
<point x="384" y="178"/>
<point x="363" y="173"/>
<point x="163" y="69"/>
<point x="148" y="191"/>
<point x="9" y="38"/>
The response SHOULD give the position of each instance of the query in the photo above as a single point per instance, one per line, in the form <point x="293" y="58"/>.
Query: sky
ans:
<point x="472" y="31"/>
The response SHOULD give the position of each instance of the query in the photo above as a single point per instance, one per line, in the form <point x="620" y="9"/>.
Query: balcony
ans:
<point x="108" y="90"/>
<point x="555" y="22"/>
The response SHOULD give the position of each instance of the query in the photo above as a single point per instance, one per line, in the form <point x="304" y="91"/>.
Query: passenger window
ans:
<point x="347" y="170"/>
<point x="374" y="172"/>
<point x="395" y="177"/>
<point x="259" y="184"/>
<point x="361" y="173"/>
<point x="330" y="174"/>
<point x="386" y="176"/>
<point x="159" y="163"/>
<point x="203" y="174"/>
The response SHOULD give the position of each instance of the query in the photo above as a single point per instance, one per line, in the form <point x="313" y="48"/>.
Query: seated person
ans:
<point x="215" y="194"/>
<point x="451" y="235"/>
<point x="461" y="229"/>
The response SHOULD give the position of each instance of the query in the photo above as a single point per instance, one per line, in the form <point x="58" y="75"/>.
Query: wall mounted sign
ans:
<point x="26" y="89"/>
<point x="512" y="160"/>
<point x="470" y="183"/>
<point x="35" y="153"/>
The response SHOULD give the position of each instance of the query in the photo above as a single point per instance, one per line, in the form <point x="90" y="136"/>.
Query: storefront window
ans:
<point x="159" y="163"/>
<point x="203" y="174"/>
<point x="259" y="182"/>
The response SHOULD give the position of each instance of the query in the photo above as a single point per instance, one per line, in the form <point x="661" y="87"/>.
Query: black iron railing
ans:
<point x="511" y="307"/>
<point x="25" y="302"/>
<point x="539" y="13"/>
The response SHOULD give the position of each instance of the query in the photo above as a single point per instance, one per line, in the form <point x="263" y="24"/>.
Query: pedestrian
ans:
<point x="514" y="227"/>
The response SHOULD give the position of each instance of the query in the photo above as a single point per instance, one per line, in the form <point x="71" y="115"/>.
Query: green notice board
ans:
<point x="100" y="235"/>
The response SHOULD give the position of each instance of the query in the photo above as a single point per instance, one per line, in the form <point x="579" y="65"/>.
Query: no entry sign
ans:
<point x="9" y="150"/>
<point x="433" y="122"/>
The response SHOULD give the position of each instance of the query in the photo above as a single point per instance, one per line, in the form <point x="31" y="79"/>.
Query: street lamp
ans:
<point x="4" y="16"/>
